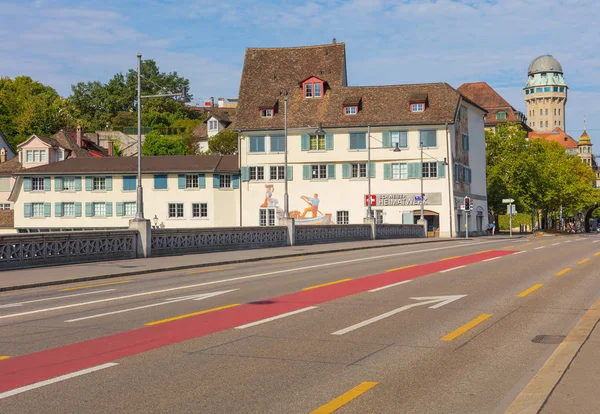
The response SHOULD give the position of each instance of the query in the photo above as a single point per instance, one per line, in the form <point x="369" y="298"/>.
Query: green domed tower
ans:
<point x="545" y="95"/>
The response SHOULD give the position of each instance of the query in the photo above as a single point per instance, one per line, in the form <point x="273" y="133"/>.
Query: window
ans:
<point x="350" y="110"/>
<point x="199" y="210"/>
<point x="417" y="107"/>
<point x="59" y="155"/>
<point x="538" y="90"/>
<point x="317" y="90"/>
<point x="308" y="90"/>
<point x="546" y="111"/>
<point x="277" y="143"/>
<point x="5" y="183"/>
<point x="257" y="144"/>
<point x="400" y="138"/>
<point x="465" y="142"/>
<point x="129" y="182"/>
<point x="99" y="183"/>
<point x="129" y="208"/>
<point x="317" y="142"/>
<point x="457" y="169"/>
<point x="160" y="182"/>
<point x="428" y="138"/>
<point x="554" y="111"/>
<point x="467" y="175"/>
<point x="400" y="171"/>
<point x="319" y="171"/>
<point x="68" y="209"/>
<point x="501" y="115"/>
<point x="558" y="123"/>
<point x="68" y="184"/>
<point x="277" y="172"/>
<point x="267" y="216"/>
<point x="546" y="123"/>
<point x="547" y="89"/>
<point x="527" y="92"/>
<point x="225" y="181"/>
<point x="562" y="89"/>
<point x="266" y="113"/>
<point x="343" y="217"/>
<point x="37" y="184"/>
<point x="533" y="123"/>
<point x="429" y="169"/>
<point x="541" y="111"/>
<point x="213" y="125"/>
<point x="531" y="90"/>
<point x="558" y="111"/>
<point x="175" y="210"/>
<point x="358" y="140"/>
<point x="555" y="89"/>
<point x="35" y="156"/>
<point x="4" y="206"/>
<point x="191" y="181"/>
<point x="37" y="209"/>
<point x="359" y="170"/>
<point x="257" y="173"/>
<point x="99" y="209"/>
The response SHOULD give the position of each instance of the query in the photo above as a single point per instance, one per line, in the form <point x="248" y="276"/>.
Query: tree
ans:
<point x="156" y="144"/>
<point x="224" y="143"/>
<point x="124" y="119"/>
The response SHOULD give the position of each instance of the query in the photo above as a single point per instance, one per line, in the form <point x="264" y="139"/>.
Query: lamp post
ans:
<point x="286" y="204"/>
<point x="422" y="194"/>
<point x="369" y="210"/>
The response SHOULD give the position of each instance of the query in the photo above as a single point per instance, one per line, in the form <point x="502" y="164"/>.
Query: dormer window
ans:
<point x="313" y="87"/>
<point x="213" y="125"/>
<point x="418" y="102"/>
<point x="267" y="108"/>
<point x="417" y="107"/>
<point x="351" y="105"/>
<point x="501" y="115"/>
<point x="266" y="113"/>
<point x="351" y="110"/>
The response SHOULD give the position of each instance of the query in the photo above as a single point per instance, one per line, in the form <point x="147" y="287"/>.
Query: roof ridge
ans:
<point x="297" y="47"/>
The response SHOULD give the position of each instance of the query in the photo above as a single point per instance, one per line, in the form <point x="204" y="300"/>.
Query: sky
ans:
<point x="62" y="42"/>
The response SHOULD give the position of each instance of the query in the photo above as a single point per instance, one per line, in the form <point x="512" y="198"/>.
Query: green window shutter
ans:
<point x="387" y="171"/>
<point x="216" y="181"/>
<point x="306" y="172"/>
<point x="345" y="170"/>
<point x="329" y="142"/>
<point x="387" y="139"/>
<point x="331" y="171"/>
<point x="47" y="184"/>
<point x="89" y="184"/>
<point x="27" y="185"/>
<point x="108" y="209"/>
<point x="58" y="184"/>
<point x="47" y="210"/>
<point x="373" y="169"/>
<point x="235" y="181"/>
<point x="27" y="209"/>
<point x="108" y="183"/>
<point x="181" y="181"/>
<point x="77" y="209"/>
<point x="89" y="209"/>
<point x="201" y="180"/>
<point x="77" y="183"/>
<point x="305" y="142"/>
<point x="441" y="170"/>
<point x="245" y="173"/>
<point x="414" y="170"/>
<point x="58" y="211"/>
<point x="120" y="208"/>
<point x="290" y="172"/>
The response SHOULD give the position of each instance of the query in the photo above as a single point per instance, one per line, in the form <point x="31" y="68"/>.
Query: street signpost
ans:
<point x="511" y="210"/>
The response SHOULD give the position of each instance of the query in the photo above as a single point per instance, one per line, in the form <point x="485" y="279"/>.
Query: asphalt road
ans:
<point x="456" y="327"/>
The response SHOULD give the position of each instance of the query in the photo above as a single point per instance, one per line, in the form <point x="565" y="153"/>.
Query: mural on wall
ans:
<point x="461" y="154"/>
<point x="310" y="214"/>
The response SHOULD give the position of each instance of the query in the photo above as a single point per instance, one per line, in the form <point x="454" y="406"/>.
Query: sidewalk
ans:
<point x="55" y="275"/>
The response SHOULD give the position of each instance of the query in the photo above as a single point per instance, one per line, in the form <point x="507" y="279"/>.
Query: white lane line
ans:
<point x="12" y="305"/>
<point x="389" y="286"/>
<point x="452" y="268"/>
<point x="493" y="258"/>
<point x="554" y="244"/>
<point x="283" y="315"/>
<point x="538" y="248"/>
<point x="522" y="251"/>
<point x="235" y="279"/>
<point x="568" y="241"/>
<point x="596" y="241"/>
<point x="54" y="380"/>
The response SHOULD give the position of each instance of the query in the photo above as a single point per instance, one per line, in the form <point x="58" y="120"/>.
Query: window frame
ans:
<point x="428" y="145"/>
<point x="344" y="220"/>
<point x="256" y="169"/>
<point x="308" y="90"/>
<point x="278" y="169"/>
<point x="319" y="139"/>
<point x="39" y="183"/>
<point x="319" y="168"/>
<point x="225" y="178"/>
<point x="417" y="107"/>
<point x="428" y="168"/>
<point x="267" y="113"/>
<point x="357" y="169"/>
<point x="400" y="166"/>
<point x="5" y="206"/>
<point x="259" y="144"/>
<point x="98" y="206"/>
<point x="269" y="216"/>
<point x="192" y="182"/>
<point x="66" y="206"/>
<point x="280" y="140"/>
<point x="130" y="204"/>
<point x="177" y="209"/>
<point x="212" y="122"/>
<point x="68" y="180"/>
<point x="356" y="137"/>
<point x="202" y="210"/>
<point x="400" y="135"/>
<point x="351" y="110"/>
<point x="98" y="183"/>
<point x="33" y="210"/>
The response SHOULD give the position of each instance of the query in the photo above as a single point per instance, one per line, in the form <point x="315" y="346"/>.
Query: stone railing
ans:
<point x="199" y="240"/>
<point x="45" y="249"/>
<point x="398" y="231"/>
<point x="331" y="233"/>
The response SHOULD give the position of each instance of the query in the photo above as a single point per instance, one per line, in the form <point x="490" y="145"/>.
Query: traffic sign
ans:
<point x="372" y="198"/>
<point x="511" y="209"/>
<point x="508" y="200"/>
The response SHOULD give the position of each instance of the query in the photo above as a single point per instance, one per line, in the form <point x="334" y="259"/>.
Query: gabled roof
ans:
<point x="223" y="117"/>
<point x="557" y="135"/>
<point x="11" y="166"/>
<point x="10" y="151"/>
<point x="68" y="140"/>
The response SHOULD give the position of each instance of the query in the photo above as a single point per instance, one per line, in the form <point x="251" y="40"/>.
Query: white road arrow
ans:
<point x="439" y="301"/>
<point x="200" y="296"/>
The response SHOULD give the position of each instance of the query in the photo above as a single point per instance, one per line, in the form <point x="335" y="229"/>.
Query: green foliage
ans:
<point x="517" y="220"/>
<point x="224" y="143"/>
<point x="117" y="150"/>
<point x="124" y="119"/>
<point x="156" y="144"/>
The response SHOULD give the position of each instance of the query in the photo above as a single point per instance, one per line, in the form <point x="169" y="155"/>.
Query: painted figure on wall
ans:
<point x="313" y="205"/>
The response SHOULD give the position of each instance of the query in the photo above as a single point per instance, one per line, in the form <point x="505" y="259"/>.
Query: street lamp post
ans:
<point x="286" y="204"/>
<point x="369" y="211"/>
<point x="422" y="194"/>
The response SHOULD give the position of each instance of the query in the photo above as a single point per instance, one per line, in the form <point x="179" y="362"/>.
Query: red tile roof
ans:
<point x="557" y="135"/>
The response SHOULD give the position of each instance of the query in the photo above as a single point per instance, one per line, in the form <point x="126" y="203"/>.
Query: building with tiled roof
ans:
<point x="499" y="110"/>
<point x="217" y="120"/>
<point x="559" y="136"/>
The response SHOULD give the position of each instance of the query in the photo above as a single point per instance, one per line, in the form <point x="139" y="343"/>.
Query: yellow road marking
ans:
<point x="562" y="272"/>
<point x="400" y="268"/>
<point x="188" y="315"/>
<point x="527" y="243"/>
<point x="510" y="247"/>
<point x="98" y="285"/>
<point x="326" y="284"/>
<point x="583" y="261"/>
<point x="216" y="269"/>
<point x="3" y="357"/>
<point x="597" y="254"/>
<point x="345" y="398"/>
<point x="531" y="289"/>
<point x="293" y="259"/>
<point x="467" y="327"/>
<point x="450" y="258"/>
<point x="483" y="251"/>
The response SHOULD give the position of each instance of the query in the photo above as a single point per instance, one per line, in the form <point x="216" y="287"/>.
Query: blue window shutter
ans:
<point x="305" y="142"/>
<point x="235" y="181"/>
<point x="58" y="211"/>
<point x="403" y="139"/>
<point x="27" y="184"/>
<point x="27" y="209"/>
<point x="120" y="208"/>
<point x="245" y="173"/>
<point x="181" y="181"/>
<point x="47" y="211"/>
<point x="129" y="182"/>
<point x="89" y="209"/>
<point x="414" y="170"/>
<point x="160" y="182"/>
<point x="47" y="184"/>
<point x="331" y="171"/>
<point x="387" y="171"/>
<point x="372" y="169"/>
<point x="345" y="170"/>
<point x="290" y="172"/>
<point x="261" y="144"/>
<point x="108" y="209"/>
<point x="108" y="183"/>
<point x="306" y="172"/>
<point x="77" y="183"/>
<point x="386" y="139"/>
<point x="89" y="184"/>
<point x="58" y="184"/>
<point x="216" y="181"/>
<point x="329" y="142"/>
<point x="77" y="209"/>
<point x="441" y="170"/>
<point x="201" y="180"/>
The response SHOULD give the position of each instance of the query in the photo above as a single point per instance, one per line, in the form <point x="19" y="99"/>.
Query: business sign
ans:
<point x="408" y="199"/>
<point x="372" y="198"/>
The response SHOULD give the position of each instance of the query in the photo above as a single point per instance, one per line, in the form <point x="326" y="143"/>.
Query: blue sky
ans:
<point x="61" y="42"/>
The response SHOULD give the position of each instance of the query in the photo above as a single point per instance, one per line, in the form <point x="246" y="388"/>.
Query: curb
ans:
<point x="535" y="394"/>
<point x="221" y="263"/>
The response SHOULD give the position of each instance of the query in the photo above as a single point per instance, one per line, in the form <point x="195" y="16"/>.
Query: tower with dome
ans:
<point x="545" y="94"/>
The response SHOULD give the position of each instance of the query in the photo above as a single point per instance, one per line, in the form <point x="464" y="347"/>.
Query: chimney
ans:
<point x="221" y="102"/>
<point x="2" y="155"/>
<point x="111" y="148"/>
<point x="334" y="41"/>
<point x="212" y="102"/>
<point x="79" y="135"/>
